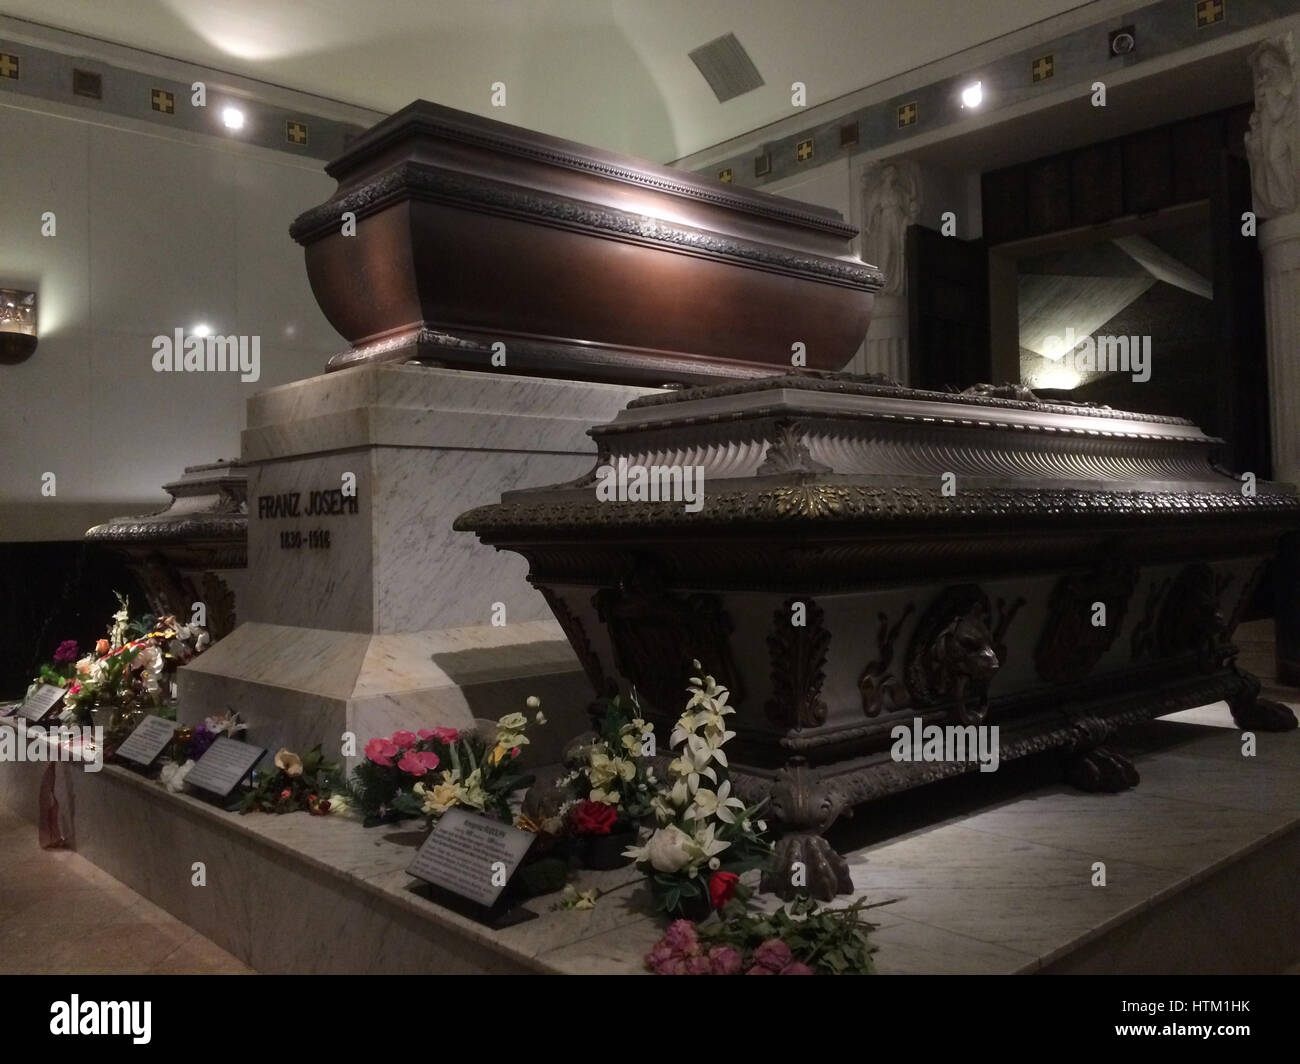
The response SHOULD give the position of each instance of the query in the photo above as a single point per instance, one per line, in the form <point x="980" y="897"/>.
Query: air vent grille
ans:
<point x="727" y="68"/>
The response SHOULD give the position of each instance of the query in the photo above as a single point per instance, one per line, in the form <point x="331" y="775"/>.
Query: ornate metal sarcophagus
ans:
<point x="453" y="239"/>
<point x="195" y="549"/>
<point x="865" y="556"/>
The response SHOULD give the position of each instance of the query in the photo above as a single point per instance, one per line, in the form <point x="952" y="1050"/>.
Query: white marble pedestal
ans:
<point x="364" y="611"/>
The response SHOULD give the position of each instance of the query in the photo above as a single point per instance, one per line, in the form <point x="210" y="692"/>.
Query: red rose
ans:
<point x="593" y="818"/>
<point x="722" y="888"/>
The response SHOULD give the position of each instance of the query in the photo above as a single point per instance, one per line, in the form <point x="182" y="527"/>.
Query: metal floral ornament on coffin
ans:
<point x="453" y="239"/>
<point x="868" y="555"/>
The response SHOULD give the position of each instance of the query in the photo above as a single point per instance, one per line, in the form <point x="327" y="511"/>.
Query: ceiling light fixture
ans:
<point x="973" y="95"/>
<point x="232" y="118"/>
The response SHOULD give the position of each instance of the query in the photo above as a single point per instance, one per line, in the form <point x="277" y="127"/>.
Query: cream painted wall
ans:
<point x="153" y="233"/>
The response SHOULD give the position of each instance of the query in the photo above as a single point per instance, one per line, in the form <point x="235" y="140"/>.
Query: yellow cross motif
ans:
<point x="907" y="114"/>
<point x="296" y="133"/>
<point x="1208" y="12"/>
<point x="1043" y="68"/>
<point x="163" y="101"/>
<point x="8" y="65"/>
<point x="804" y="150"/>
<point x="725" y="175"/>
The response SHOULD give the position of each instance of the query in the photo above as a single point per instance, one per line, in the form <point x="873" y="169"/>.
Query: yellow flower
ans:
<point x="441" y="797"/>
<point x="289" y="763"/>
<point x="497" y="754"/>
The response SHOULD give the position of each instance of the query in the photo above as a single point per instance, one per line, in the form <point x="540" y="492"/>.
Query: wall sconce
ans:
<point x="17" y="325"/>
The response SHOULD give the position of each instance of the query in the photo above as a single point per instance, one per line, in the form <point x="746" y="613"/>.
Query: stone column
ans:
<point x="886" y="346"/>
<point x="1273" y="146"/>
<point x="1279" y="244"/>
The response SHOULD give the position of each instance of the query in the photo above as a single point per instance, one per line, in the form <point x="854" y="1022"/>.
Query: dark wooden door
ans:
<point x="948" y="310"/>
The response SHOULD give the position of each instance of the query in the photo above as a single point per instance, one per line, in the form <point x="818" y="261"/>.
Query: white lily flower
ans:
<point x="694" y="762"/>
<point x="720" y="804"/>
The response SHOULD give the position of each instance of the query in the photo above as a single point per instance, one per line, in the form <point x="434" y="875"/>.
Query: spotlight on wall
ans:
<point x="232" y="118"/>
<point x="17" y="325"/>
<point x="973" y="95"/>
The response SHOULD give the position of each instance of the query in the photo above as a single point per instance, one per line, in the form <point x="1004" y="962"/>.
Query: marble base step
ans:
<point x="297" y="687"/>
<point x="983" y="875"/>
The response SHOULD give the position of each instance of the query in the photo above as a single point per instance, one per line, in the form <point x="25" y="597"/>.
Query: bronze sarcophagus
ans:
<point x="864" y="556"/>
<point x="473" y="244"/>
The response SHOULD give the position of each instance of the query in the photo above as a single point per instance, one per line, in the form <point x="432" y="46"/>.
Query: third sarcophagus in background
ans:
<point x="863" y="555"/>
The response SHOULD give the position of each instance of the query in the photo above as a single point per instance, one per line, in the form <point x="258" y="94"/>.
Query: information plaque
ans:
<point x="41" y="702"/>
<point x="472" y="857"/>
<point x="149" y="739"/>
<point x="224" y="766"/>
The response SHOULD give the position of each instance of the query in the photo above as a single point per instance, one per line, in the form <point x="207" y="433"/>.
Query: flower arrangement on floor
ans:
<point x="805" y="940"/>
<point x="129" y="672"/>
<point x="298" y="784"/>
<point x="703" y="830"/>
<point x="425" y="773"/>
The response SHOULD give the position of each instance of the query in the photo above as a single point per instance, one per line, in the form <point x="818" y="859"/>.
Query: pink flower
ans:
<point x="381" y="751"/>
<point x="774" y="955"/>
<point x="424" y="733"/>
<point x="445" y="735"/>
<point x="417" y="763"/>
<point x="796" y="968"/>
<point x="724" y="961"/>
<point x="681" y="937"/>
<point x="758" y="969"/>
<point x="404" y="739"/>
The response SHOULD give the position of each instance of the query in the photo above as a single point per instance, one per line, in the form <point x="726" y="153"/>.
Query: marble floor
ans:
<point x="61" y="914"/>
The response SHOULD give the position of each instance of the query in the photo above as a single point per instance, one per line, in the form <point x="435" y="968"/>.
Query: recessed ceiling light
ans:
<point x="973" y="95"/>
<point x="200" y="331"/>
<point x="232" y="118"/>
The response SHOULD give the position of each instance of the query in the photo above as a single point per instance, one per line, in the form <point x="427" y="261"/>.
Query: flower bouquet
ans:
<point x="127" y="673"/>
<point x="806" y="940"/>
<point x="425" y="773"/>
<point x="298" y="784"/>
<point x="612" y="786"/>
<point x="702" y="828"/>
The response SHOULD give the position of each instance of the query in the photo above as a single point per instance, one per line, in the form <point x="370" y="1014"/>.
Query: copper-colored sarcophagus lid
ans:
<point x="584" y="264"/>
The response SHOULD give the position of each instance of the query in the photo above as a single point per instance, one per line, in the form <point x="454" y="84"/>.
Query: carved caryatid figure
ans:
<point x="1273" y="141"/>
<point x="890" y="204"/>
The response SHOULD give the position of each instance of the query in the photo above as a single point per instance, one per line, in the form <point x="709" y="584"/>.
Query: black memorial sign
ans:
<point x="149" y="739"/>
<point x="471" y="856"/>
<point x="42" y="702"/>
<point x="223" y="767"/>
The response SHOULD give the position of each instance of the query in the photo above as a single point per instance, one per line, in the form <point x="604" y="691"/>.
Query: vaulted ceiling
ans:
<point x="613" y="73"/>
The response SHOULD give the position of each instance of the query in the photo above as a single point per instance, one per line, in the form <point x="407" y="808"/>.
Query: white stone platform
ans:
<point x="984" y="875"/>
<point x="365" y="612"/>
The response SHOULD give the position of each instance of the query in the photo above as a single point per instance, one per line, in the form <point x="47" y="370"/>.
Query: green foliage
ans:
<point x="283" y="791"/>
